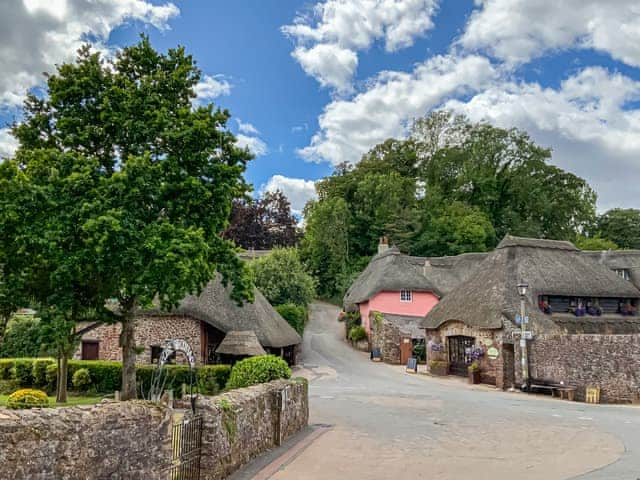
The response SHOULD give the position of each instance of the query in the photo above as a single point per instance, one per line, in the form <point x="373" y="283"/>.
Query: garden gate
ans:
<point x="460" y="354"/>
<point x="186" y="447"/>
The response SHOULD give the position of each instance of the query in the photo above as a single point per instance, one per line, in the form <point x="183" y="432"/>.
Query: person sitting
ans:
<point x="580" y="310"/>
<point x="545" y="307"/>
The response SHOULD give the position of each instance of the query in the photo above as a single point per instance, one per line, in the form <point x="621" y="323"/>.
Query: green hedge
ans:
<point x="260" y="369"/>
<point x="106" y="376"/>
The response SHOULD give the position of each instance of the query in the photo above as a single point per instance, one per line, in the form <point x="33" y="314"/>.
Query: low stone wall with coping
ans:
<point x="241" y="424"/>
<point x="109" y="440"/>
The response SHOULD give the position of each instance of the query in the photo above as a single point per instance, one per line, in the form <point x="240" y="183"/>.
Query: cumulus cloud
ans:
<point x="519" y="30"/>
<point x="585" y="121"/>
<point x="8" y="144"/>
<point x="298" y="190"/>
<point x="210" y="87"/>
<point x="350" y="127"/>
<point x="246" y="127"/>
<point x="37" y="34"/>
<point x="254" y="144"/>
<point x="329" y="37"/>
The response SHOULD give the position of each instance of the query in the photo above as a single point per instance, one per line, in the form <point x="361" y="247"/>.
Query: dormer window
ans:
<point x="623" y="272"/>
<point x="406" y="296"/>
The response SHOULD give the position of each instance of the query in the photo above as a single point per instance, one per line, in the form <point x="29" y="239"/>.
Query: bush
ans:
<point x="39" y="371"/>
<point x="106" y="376"/>
<point x="176" y="375"/>
<point x="23" y="337"/>
<point x="81" y="380"/>
<point x="6" y="368"/>
<point x="211" y="379"/>
<point x="23" y="371"/>
<point x="8" y="386"/>
<point x="28" y="398"/>
<point x="51" y="375"/>
<point x="356" y="334"/>
<point x="295" y="315"/>
<point x="260" y="369"/>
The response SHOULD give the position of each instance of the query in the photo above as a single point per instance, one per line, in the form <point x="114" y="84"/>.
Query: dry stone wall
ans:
<point x="385" y="336"/>
<point x="241" y="424"/>
<point x="611" y="362"/>
<point x="106" y="441"/>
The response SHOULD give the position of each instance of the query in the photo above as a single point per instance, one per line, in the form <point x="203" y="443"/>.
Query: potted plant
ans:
<point x="474" y="373"/>
<point x="438" y="367"/>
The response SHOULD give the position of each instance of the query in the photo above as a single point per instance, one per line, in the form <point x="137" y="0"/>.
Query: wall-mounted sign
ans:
<point x="493" y="353"/>
<point x="527" y="335"/>
<point x="487" y="342"/>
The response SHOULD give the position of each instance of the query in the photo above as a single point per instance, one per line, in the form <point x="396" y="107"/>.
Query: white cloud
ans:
<point x="585" y="122"/>
<point x="298" y="190"/>
<point x="254" y="144"/>
<point x="211" y="87"/>
<point x="8" y="144"/>
<point x="37" y="34"/>
<point x="348" y="128"/>
<point x="246" y="127"/>
<point x="329" y="38"/>
<point x="518" y="30"/>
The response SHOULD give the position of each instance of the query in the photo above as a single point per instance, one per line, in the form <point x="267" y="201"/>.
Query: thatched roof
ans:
<point x="550" y="267"/>
<point x="620" y="259"/>
<point x="407" y="324"/>
<point x="392" y="270"/>
<point x="241" y="343"/>
<point x="215" y="307"/>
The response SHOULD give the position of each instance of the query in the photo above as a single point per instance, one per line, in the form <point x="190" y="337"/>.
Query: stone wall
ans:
<point x="385" y="336"/>
<point x="109" y="440"/>
<point x="611" y="362"/>
<point x="241" y="424"/>
<point x="150" y="330"/>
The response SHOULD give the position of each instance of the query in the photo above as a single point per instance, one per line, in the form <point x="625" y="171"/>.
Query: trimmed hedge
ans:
<point x="260" y="369"/>
<point x="106" y="377"/>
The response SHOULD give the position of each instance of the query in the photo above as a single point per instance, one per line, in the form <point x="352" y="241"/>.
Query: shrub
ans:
<point x="81" y="380"/>
<point x="107" y="376"/>
<point x="51" y="375"/>
<point x="39" y="371"/>
<point x="23" y="337"/>
<point x="211" y="379"/>
<point x="6" y="367"/>
<point x="8" y="386"/>
<point x="28" y="398"/>
<point x="260" y="369"/>
<point x="357" y="334"/>
<point x="23" y="371"/>
<point x="295" y="315"/>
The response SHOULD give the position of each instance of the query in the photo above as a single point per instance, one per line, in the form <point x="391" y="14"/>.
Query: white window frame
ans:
<point x="406" y="296"/>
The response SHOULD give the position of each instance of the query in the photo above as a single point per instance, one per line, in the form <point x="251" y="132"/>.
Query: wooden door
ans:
<point x="90" y="350"/>
<point x="459" y="354"/>
<point x="406" y="350"/>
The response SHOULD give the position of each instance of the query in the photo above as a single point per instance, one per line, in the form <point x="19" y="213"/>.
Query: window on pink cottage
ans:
<point x="406" y="296"/>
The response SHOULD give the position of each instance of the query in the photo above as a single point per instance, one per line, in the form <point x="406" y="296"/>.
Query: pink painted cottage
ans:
<point x="395" y="291"/>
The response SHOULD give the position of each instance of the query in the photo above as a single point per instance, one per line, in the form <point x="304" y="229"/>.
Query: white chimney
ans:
<point x="383" y="245"/>
<point x="427" y="264"/>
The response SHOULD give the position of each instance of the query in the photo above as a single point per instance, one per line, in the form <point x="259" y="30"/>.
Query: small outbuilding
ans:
<point x="237" y="345"/>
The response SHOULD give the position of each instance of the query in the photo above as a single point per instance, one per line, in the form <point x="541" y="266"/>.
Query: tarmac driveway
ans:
<point x="387" y="424"/>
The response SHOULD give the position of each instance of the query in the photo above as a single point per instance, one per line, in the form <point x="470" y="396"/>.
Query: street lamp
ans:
<point x="522" y="291"/>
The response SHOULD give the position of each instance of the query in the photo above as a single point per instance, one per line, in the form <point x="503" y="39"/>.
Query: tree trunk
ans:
<point x="61" y="389"/>
<point x="128" y="345"/>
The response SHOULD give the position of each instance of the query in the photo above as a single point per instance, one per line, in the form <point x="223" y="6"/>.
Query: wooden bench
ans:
<point x="562" y="391"/>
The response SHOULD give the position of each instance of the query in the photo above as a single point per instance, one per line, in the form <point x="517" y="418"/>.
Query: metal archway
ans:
<point x="158" y="381"/>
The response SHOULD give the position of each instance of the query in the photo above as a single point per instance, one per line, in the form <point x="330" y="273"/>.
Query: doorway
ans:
<point x="460" y="354"/>
<point x="90" y="350"/>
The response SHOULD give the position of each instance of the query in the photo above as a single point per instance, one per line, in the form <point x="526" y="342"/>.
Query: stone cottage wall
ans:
<point x="241" y="424"/>
<point x="109" y="440"/>
<point x="491" y="371"/>
<point x="150" y="330"/>
<point x="385" y="336"/>
<point x="611" y="362"/>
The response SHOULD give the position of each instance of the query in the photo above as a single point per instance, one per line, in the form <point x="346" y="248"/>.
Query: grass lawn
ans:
<point x="70" y="401"/>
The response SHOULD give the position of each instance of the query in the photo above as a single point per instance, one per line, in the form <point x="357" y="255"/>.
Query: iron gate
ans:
<point x="460" y="354"/>
<point x="186" y="445"/>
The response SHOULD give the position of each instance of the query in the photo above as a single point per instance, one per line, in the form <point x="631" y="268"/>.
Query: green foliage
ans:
<point x="28" y="398"/>
<point x="52" y="377"/>
<point x="39" y="371"/>
<point x="452" y="187"/>
<point x="594" y="243"/>
<point x="295" y="315"/>
<point x="81" y="380"/>
<point x="6" y="368"/>
<point x="621" y="226"/>
<point x="357" y="334"/>
<point x="474" y="367"/>
<point x="260" y="369"/>
<point x="211" y="379"/>
<point x="23" y="338"/>
<point x="8" y="386"/>
<point x="281" y="277"/>
<point x="23" y="371"/>
<point x="228" y="418"/>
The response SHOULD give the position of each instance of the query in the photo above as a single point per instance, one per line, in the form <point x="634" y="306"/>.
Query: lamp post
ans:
<point x="522" y="291"/>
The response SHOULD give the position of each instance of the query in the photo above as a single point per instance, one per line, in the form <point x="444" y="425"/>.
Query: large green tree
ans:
<point x="621" y="226"/>
<point x="167" y="173"/>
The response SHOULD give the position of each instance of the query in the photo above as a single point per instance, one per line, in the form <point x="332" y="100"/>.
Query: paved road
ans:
<point x="391" y="425"/>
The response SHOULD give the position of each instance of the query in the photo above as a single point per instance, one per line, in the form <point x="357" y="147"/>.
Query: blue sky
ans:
<point x="311" y="84"/>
